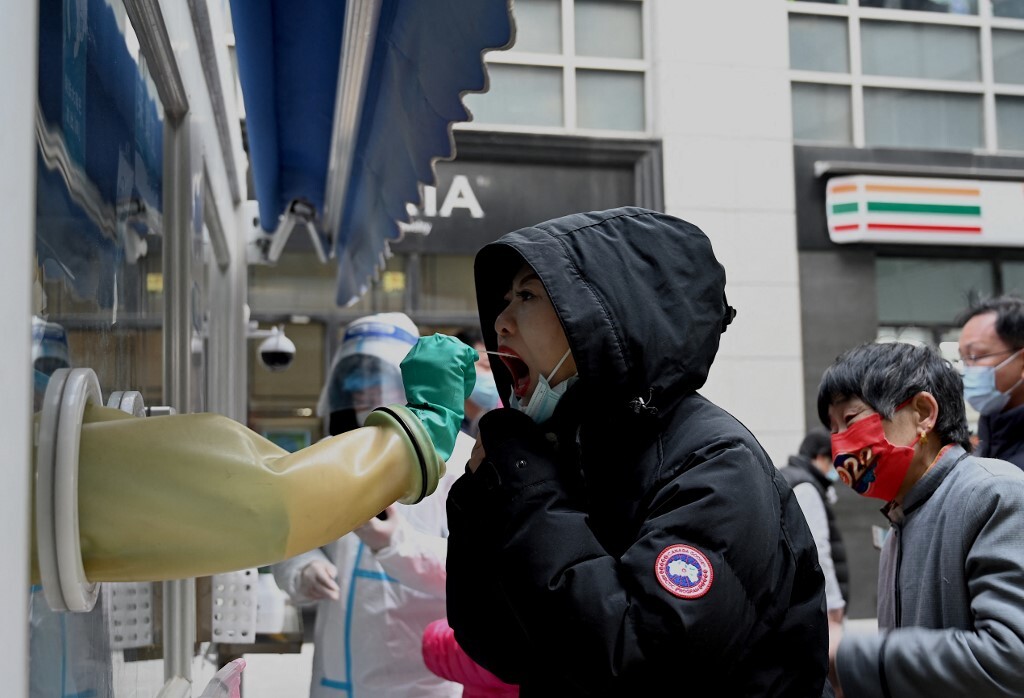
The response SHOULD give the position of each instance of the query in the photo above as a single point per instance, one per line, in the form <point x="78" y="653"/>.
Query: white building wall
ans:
<point x="721" y="105"/>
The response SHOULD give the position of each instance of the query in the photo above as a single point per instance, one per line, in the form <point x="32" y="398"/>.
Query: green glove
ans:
<point x="439" y="374"/>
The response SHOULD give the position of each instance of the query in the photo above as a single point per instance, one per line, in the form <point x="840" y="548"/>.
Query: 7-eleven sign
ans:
<point x="925" y="211"/>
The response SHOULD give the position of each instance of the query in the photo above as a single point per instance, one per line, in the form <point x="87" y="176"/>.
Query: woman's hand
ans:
<point x="477" y="456"/>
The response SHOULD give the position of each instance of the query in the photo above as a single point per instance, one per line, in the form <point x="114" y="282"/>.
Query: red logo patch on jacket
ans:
<point x="684" y="571"/>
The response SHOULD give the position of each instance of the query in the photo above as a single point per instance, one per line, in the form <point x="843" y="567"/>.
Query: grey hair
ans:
<point x="885" y="376"/>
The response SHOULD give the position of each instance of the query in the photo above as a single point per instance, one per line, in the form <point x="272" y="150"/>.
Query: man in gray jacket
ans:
<point x="951" y="579"/>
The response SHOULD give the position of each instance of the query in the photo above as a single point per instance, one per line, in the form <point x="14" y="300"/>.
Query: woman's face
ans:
<point x="529" y="328"/>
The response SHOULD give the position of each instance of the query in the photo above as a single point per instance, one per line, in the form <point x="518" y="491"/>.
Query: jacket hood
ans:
<point x="639" y="294"/>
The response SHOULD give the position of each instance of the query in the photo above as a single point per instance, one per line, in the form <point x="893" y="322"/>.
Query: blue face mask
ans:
<point x="485" y="392"/>
<point x="832" y="475"/>
<point x="544" y="399"/>
<point x="980" y="387"/>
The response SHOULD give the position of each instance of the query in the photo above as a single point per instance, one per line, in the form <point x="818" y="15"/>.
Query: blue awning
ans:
<point x="350" y="168"/>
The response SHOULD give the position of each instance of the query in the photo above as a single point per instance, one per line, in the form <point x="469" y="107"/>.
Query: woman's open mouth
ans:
<point x="519" y="370"/>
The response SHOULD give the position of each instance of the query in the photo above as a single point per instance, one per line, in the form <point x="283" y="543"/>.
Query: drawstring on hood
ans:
<point x="638" y="405"/>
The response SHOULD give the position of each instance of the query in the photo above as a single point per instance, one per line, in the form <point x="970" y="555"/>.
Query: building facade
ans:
<point x="764" y="123"/>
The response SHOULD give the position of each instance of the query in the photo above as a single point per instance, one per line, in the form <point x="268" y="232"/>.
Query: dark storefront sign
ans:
<point x="503" y="182"/>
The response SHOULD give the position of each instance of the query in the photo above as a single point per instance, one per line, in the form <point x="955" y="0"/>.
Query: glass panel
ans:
<point x="1010" y="122"/>
<point x="98" y="298"/>
<point x="447" y="284"/>
<point x="610" y="100"/>
<point x="821" y="113"/>
<point x="1008" y="8"/>
<point x="538" y="26"/>
<point x="920" y="51"/>
<point x="297" y="283"/>
<point x="609" y="28"/>
<point x="825" y="2"/>
<point x="1008" y="56"/>
<point x="818" y="43"/>
<point x="928" y="291"/>
<point x="1013" y="277"/>
<point x="916" y="119"/>
<point x="519" y="96"/>
<point x="957" y="7"/>
<point x="387" y="293"/>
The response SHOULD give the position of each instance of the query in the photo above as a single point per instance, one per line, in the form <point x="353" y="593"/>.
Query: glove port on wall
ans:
<point x="58" y="544"/>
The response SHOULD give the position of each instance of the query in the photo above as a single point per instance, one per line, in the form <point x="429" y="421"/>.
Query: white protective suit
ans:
<point x="368" y="643"/>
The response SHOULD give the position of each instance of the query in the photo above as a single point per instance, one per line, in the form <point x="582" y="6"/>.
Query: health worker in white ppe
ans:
<point x="377" y="588"/>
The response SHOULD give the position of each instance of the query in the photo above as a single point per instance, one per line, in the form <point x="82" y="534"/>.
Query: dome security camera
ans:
<point x="277" y="351"/>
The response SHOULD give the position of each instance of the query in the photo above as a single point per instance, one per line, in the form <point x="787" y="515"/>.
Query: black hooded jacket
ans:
<point x="640" y="539"/>
<point x="1002" y="436"/>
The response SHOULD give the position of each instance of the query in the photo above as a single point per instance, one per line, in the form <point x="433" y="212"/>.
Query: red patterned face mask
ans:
<point x="868" y="462"/>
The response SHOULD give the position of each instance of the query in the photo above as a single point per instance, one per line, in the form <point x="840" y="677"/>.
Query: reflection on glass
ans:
<point x="447" y="284"/>
<point x="609" y="29"/>
<point x="918" y="119"/>
<point x="821" y="113"/>
<point x="520" y="96"/>
<point x="98" y="299"/>
<point x="538" y="26"/>
<point x="915" y="291"/>
<point x="387" y="294"/>
<point x="910" y="50"/>
<point x="957" y="7"/>
<point x="1010" y="122"/>
<point x="818" y="43"/>
<point x="1008" y="56"/>
<point x="610" y="100"/>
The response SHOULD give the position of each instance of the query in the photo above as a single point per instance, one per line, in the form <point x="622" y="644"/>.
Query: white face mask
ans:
<point x="544" y="399"/>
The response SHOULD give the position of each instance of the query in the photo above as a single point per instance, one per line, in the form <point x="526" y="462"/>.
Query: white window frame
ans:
<point x="987" y="88"/>
<point x="569" y="63"/>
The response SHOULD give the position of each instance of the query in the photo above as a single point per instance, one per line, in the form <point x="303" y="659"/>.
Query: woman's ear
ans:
<point x="926" y="408"/>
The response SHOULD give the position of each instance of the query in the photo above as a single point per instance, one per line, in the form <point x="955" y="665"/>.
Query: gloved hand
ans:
<point x="439" y="375"/>
<point x="316" y="581"/>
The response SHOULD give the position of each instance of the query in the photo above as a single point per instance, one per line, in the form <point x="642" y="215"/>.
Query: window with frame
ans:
<point x="924" y="74"/>
<point x="578" y="66"/>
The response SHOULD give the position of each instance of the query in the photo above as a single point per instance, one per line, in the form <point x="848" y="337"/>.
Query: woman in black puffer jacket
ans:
<point x="619" y="534"/>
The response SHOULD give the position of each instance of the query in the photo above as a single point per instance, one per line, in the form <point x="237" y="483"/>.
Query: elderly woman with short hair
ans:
<point x="951" y="578"/>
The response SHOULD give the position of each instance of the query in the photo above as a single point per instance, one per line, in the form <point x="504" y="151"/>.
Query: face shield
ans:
<point x="366" y="371"/>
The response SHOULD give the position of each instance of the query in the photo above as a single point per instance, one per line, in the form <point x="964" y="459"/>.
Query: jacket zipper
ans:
<point x="899" y="561"/>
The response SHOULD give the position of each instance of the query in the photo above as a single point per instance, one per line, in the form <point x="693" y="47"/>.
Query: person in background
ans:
<point x="992" y="352"/>
<point x="484" y="397"/>
<point x="616" y="533"/>
<point x="951" y="574"/>
<point x="811" y="475"/>
<point x="377" y="588"/>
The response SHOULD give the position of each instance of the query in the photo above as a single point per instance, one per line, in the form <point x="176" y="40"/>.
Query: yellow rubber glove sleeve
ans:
<point x="197" y="494"/>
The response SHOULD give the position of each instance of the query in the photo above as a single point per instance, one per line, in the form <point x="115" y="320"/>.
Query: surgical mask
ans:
<point x="544" y="399"/>
<point x="832" y="475"/>
<point x="868" y="462"/>
<point x="485" y="392"/>
<point x="980" y="387"/>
